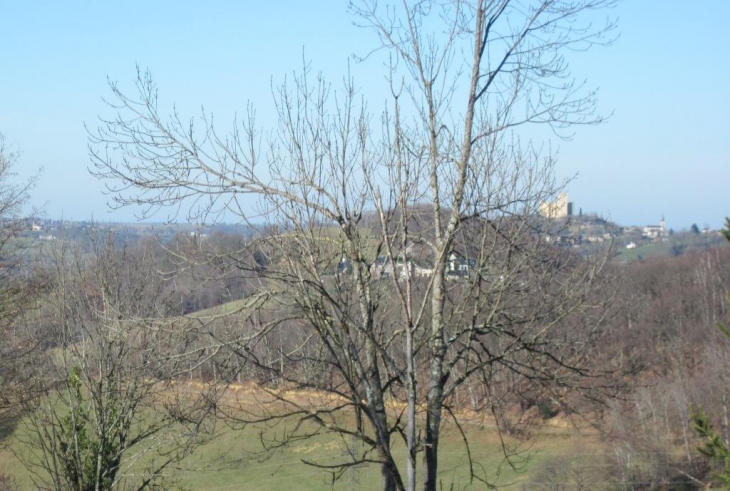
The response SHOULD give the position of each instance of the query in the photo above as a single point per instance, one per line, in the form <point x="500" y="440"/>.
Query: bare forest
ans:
<point x="395" y="292"/>
<point x="114" y="337"/>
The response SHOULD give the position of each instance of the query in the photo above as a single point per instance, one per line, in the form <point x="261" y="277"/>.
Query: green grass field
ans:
<point x="234" y="460"/>
<point x="647" y="251"/>
<point x="285" y="470"/>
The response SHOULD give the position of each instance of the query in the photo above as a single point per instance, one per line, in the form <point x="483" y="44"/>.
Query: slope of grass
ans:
<point x="234" y="460"/>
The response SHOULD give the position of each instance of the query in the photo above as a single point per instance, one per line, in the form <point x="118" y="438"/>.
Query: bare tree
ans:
<point x="107" y="413"/>
<point x="410" y="252"/>
<point x="19" y="286"/>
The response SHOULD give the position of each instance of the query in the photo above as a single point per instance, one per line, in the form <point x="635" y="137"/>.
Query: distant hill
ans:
<point x="585" y="232"/>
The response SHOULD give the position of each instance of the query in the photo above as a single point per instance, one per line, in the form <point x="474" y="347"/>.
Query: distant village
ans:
<point x="580" y="229"/>
<point x="44" y="230"/>
<point x="562" y="227"/>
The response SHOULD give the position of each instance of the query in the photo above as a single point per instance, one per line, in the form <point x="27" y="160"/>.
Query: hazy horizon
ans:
<point x="664" y="152"/>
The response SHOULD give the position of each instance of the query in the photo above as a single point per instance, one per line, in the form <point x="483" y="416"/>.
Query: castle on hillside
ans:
<point x="655" y="231"/>
<point x="560" y="208"/>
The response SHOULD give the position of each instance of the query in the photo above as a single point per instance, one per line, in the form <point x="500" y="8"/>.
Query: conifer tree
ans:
<point x="713" y="445"/>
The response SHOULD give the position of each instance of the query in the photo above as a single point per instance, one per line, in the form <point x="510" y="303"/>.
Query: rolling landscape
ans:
<point x="264" y="413"/>
<point x="366" y="276"/>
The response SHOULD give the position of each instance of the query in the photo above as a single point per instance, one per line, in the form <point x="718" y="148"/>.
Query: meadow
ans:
<point x="234" y="459"/>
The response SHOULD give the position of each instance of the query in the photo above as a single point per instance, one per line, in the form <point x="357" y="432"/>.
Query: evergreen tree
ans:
<point x="713" y="445"/>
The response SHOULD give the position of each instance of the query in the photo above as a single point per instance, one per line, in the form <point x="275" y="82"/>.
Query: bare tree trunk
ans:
<point x="411" y="443"/>
<point x="725" y="431"/>
<point x="434" y="398"/>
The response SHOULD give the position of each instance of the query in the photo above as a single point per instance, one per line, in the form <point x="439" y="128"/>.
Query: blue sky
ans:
<point x="665" y="151"/>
